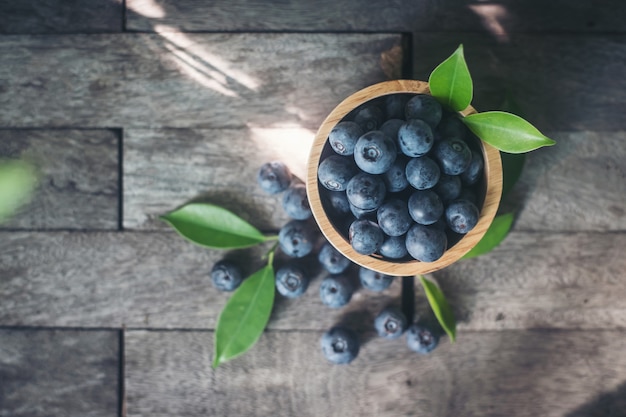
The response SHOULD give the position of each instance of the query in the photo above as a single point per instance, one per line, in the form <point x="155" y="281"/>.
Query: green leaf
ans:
<point x="496" y="233"/>
<point x="245" y="315"/>
<point x="512" y="166"/>
<point x="214" y="227"/>
<point x="440" y="307"/>
<point x="451" y="83"/>
<point x="17" y="182"/>
<point x="506" y="131"/>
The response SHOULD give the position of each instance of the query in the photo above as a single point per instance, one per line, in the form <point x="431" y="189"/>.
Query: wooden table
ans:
<point x="133" y="108"/>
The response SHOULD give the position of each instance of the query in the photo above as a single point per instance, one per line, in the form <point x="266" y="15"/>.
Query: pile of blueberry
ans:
<point x="401" y="178"/>
<point x="300" y="239"/>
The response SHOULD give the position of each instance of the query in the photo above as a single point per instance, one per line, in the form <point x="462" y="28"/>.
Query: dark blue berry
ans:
<point x="424" y="107"/>
<point x="422" y="173"/>
<point x="336" y="291"/>
<point x="448" y="188"/>
<point x="296" y="238"/>
<point x="461" y="216"/>
<point x="415" y="138"/>
<point x="365" y="236"/>
<point x="394" y="247"/>
<point x="338" y="202"/>
<point x="453" y="155"/>
<point x="373" y="280"/>
<point x="375" y="152"/>
<point x="395" y="105"/>
<point x="391" y="128"/>
<point x="340" y="345"/>
<point x="426" y="243"/>
<point x="475" y="169"/>
<point x="291" y="281"/>
<point x="363" y="214"/>
<point x="395" y="177"/>
<point x="369" y="117"/>
<point x="393" y="217"/>
<point x="366" y="191"/>
<point x="451" y="126"/>
<point x="421" y="338"/>
<point x="295" y="202"/>
<point x="335" y="171"/>
<point x="425" y="207"/>
<point x="226" y="275"/>
<point x="274" y="177"/>
<point x="343" y="137"/>
<point x="332" y="260"/>
<point x="390" y="323"/>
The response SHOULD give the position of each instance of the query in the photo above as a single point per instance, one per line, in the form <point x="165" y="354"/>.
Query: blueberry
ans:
<point x="274" y="177"/>
<point x="461" y="216"/>
<point x="393" y="247"/>
<point x="332" y="260"/>
<point x="425" y="207"/>
<point x="365" y="236"/>
<point x="375" y="152"/>
<point x="453" y="155"/>
<point x="422" y="173"/>
<point x="363" y="214"/>
<point x="421" y="338"/>
<point x="415" y="138"/>
<point x="343" y="137"/>
<point x="451" y="126"/>
<point x="448" y="188"/>
<point x="335" y="171"/>
<point x="390" y="323"/>
<point x="291" y="281"/>
<point x="468" y="194"/>
<point x="296" y="238"/>
<point x="393" y="217"/>
<point x="374" y="281"/>
<point x="395" y="177"/>
<point x="391" y="128"/>
<point x="340" y="345"/>
<point x="366" y="191"/>
<point x="369" y="117"/>
<point x="226" y="275"/>
<point x="426" y="243"/>
<point x="336" y="291"/>
<point x="475" y="169"/>
<point x="395" y="105"/>
<point x="295" y="202"/>
<point x="424" y="107"/>
<point x="338" y="202"/>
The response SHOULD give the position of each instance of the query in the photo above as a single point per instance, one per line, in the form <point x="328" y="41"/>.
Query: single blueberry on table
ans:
<point x="426" y="243"/>
<point x="475" y="169"/>
<point x="373" y="280"/>
<point x="395" y="177"/>
<point x="453" y="155"/>
<point x="448" y="188"/>
<point x="340" y="345"/>
<point x="424" y="107"/>
<point x="394" y="218"/>
<point x="226" y="275"/>
<point x="422" y="173"/>
<point x="368" y="116"/>
<point x="332" y="260"/>
<point x="335" y="171"/>
<point x="343" y="137"/>
<point x="394" y="247"/>
<point x="291" y="281"/>
<point x="390" y="323"/>
<point x="391" y="128"/>
<point x="461" y="216"/>
<point x="296" y="238"/>
<point x="336" y="291"/>
<point x="365" y="236"/>
<point x="295" y="202"/>
<point x="422" y="338"/>
<point x="366" y="191"/>
<point x="375" y="152"/>
<point x="274" y="177"/>
<point x="415" y="138"/>
<point x="425" y="207"/>
<point x="395" y="105"/>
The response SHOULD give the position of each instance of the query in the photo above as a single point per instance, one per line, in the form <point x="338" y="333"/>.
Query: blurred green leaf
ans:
<point x="451" y="83"/>
<point x="496" y="233"/>
<point x="440" y="307"/>
<point x="17" y="182"/>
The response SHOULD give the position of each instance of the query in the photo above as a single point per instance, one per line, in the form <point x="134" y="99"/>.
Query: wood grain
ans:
<point x="60" y="16"/>
<point x="495" y="18"/>
<point x="158" y="280"/>
<point x="186" y="80"/>
<point x="59" y="373"/>
<point x="78" y="177"/>
<point x="501" y="373"/>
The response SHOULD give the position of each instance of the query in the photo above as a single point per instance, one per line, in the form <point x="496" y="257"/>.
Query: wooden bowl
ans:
<point x="492" y="181"/>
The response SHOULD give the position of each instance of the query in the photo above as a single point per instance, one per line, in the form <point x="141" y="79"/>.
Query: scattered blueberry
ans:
<point x="226" y="275"/>
<point x="415" y="138"/>
<point x="373" y="280"/>
<point x="393" y="217"/>
<point x="425" y="207"/>
<point x="274" y="177"/>
<point x="366" y="191"/>
<point x="291" y="281"/>
<point x="365" y="236"/>
<point x="343" y="137"/>
<point x="375" y="152"/>
<point x="296" y="238"/>
<point x="421" y="338"/>
<point x="340" y="345"/>
<point x="390" y="323"/>
<point x="394" y="247"/>
<point x="332" y="260"/>
<point x="335" y="171"/>
<point x="336" y="291"/>
<point x="426" y="243"/>
<point x="424" y="107"/>
<point x="461" y="216"/>
<point x="475" y="169"/>
<point x="422" y="173"/>
<point x="453" y="155"/>
<point x="296" y="203"/>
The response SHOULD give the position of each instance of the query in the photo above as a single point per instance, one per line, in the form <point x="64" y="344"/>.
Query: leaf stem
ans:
<point x="269" y="238"/>
<point x="269" y="255"/>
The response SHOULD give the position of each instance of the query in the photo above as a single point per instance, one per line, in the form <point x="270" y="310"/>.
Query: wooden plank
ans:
<point x="60" y="16"/>
<point x="59" y="373"/>
<point x="159" y="280"/>
<point x="400" y="15"/>
<point x="520" y="373"/>
<point x="78" y="184"/>
<point x="187" y="80"/>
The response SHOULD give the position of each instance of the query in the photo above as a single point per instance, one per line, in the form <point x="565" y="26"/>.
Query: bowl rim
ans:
<point x="492" y="173"/>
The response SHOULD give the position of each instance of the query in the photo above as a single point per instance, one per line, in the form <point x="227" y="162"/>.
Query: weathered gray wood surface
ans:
<point x="47" y="372"/>
<point x="520" y="373"/>
<point x="78" y="177"/>
<point x="398" y="15"/>
<point x="159" y="280"/>
<point x="186" y="80"/>
<point x="61" y="16"/>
